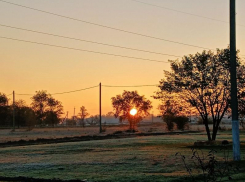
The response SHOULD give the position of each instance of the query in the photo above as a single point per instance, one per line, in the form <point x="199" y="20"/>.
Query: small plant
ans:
<point x="211" y="168"/>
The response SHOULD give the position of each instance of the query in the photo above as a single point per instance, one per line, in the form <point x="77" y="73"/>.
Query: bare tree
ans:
<point x="83" y="114"/>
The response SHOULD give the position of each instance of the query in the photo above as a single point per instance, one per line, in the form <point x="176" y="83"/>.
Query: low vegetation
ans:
<point x="146" y="159"/>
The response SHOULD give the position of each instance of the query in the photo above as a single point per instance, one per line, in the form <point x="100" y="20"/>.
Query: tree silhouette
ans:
<point x="20" y="109"/>
<point x="122" y="104"/>
<point x="3" y="99"/>
<point x="203" y="80"/>
<point x="47" y="109"/>
<point x="5" y="110"/>
<point x="174" y="110"/>
<point x="83" y="114"/>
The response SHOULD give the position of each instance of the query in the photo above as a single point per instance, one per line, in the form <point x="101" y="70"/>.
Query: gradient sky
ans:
<point x="27" y="68"/>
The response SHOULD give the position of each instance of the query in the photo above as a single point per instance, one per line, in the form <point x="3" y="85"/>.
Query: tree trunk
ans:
<point x="130" y="125"/>
<point x="207" y="129"/>
<point x="215" y="130"/>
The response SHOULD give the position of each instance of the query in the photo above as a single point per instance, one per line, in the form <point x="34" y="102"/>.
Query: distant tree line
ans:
<point x="44" y="110"/>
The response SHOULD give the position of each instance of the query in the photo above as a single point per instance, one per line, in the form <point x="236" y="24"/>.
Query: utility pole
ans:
<point x="234" y="103"/>
<point x="74" y="113"/>
<point x="152" y="115"/>
<point x="13" y="111"/>
<point x="100" y="109"/>
<point x="67" y="117"/>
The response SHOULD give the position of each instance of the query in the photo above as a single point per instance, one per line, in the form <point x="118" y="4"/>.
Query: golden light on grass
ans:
<point x="133" y="111"/>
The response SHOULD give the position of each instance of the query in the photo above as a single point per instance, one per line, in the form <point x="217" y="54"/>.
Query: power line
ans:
<point x="129" y="86"/>
<point x="60" y="93"/>
<point x="67" y="91"/>
<point x="105" y="26"/>
<point x="88" y="41"/>
<point x="75" y="90"/>
<point x="83" y="50"/>
<point x="93" y="42"/>
<point x="191" y="14"/>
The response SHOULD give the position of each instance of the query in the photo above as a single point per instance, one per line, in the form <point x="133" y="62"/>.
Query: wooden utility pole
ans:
<point x="13" y="111"/>
<point x="234" y="103"/>
<point x="100" y="109"/>
<point x="152" y="115"/>
<point x="74" y="113"/>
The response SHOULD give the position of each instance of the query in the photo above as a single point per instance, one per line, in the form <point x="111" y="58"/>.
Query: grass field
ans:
<point x="52" y="133"/>
<point x="145" y="159"/>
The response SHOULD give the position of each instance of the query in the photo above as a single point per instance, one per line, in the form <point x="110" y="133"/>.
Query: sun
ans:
<point x="133" y="111"/>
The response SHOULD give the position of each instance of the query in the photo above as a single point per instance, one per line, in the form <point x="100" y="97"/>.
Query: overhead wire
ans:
<point x="88" y="41"/>
<point x="88" y="88"/>
<point x="75" y="90"/>
<point x="170" y="9"/>
<point x="83" y="50"/>
<point x="129" y="85"/>
<point x="105" y="26"/>
<point x="191" y="14"/>
<point x="93" y="42"/>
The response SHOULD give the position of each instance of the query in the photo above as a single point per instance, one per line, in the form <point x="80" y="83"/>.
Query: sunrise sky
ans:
<point x="27" y="67"/>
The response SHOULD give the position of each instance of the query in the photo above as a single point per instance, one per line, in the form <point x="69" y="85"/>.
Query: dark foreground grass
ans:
<point x="144" y="159"/>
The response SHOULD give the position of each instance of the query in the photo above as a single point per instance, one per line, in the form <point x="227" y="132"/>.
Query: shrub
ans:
<point x="181" y="122"/>
<point x="169" y="119"/>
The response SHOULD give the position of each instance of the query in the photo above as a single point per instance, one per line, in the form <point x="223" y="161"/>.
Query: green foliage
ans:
<point x="122" y="104"/>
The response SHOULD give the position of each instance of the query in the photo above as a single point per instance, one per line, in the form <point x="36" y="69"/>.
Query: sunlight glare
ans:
<point x="133" y="111"/>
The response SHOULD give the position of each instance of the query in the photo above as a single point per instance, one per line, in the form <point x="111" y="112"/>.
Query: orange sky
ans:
<point x="27" y="68"/>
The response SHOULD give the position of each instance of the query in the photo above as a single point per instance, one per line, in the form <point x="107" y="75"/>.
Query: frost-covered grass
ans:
<point x="147" y="159"/>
